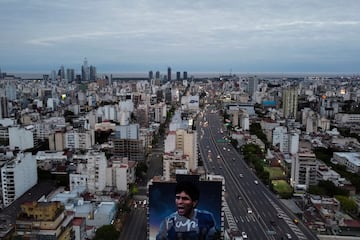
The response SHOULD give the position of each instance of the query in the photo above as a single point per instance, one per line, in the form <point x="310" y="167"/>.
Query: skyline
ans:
<point x="202" y="36"/>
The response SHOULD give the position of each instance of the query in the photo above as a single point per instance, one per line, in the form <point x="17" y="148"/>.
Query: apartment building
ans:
<point x="127" y="142"/>
<point x="21" y="138"/>
<point x="18" y="176"/>
<point x="351" y="160"/>
<point x="290" y="102"/>
<point x="304" y="169"/>
<point x="181" y="151"/>
<point x="43" y="220"/>
<point x="79" y="139"/>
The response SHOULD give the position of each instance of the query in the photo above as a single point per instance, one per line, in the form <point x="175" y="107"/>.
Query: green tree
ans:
<point x="141" y="169"/>
<point x="133" y="189"/>
<point x="255" y="129"/>
<point x="316" y="190"/>
<point x="347" y="204"/>
<point x="106" y="232"/>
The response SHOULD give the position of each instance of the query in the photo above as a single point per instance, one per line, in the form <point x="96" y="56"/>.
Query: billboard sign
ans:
<point x="167" y="210"/>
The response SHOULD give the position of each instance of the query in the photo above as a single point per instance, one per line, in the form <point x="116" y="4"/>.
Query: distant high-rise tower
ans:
<point x="70" y="74"/>
<point x="11" y="90"/>
<point x="62" y="72"/>
<point x="157" y="75"/>
<point x="178" y="76"/>
<point x="253" y="85"/>
<point x="4" y="107"/>
<point x="46" y="77"/>
<point x="92" y="73"/>
<point x="185" y="75"/>
<point x="151" y="75"/>
<point x="53" y="76"/>
<point x="290" y="102"/>
<point x="85" y="71"/>
<point x="169" y="74"/>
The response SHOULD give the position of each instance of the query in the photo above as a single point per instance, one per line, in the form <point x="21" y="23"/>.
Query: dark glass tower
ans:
<point x="169" y="74"/>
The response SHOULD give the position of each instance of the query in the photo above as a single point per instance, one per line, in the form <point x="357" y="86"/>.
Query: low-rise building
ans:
<point x="43" y="220"/>
<point x="351" y="160"/>
<point x="47" y="160"/>
<point x="324" y="173"/>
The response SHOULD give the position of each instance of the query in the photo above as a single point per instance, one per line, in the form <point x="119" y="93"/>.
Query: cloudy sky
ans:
<point x="187" y="35"/>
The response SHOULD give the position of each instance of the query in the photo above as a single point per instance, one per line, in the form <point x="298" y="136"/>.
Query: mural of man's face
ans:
<point x="184" y="204"/>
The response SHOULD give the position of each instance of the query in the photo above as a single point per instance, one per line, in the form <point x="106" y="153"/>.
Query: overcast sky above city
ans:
<point x="187" y="35"/>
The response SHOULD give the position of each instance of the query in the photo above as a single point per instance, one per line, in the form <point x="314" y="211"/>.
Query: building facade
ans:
<point x="18" y="176"/>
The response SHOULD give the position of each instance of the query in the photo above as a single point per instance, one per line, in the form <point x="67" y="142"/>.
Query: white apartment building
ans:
<point x="347" y="118"/>
<point x="288" y="142"/>
<point x="79" y="139"/>
<point x="244" y="121"/>
<point x="120" y="174"/>
<point x="47" y="160"/>
<point x="170" y="142"/>
<point x="294" y="139"/>
<point x="304" y="169"/>
<point x="280" y="138"/>
<point x="160" y="112"/>
<point x="349" y="159"/>
<point x="93" y="165"/>
<point x="108" y="112"/>
<point x="21" y="138"/>
<point x="18" y="176"/>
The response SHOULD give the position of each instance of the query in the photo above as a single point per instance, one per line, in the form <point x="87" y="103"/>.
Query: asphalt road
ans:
<point x="135" y="225"/>
<point x="253" y="208"/>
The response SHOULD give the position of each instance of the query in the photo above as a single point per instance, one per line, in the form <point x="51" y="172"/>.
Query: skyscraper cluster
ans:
<point x="168" y="77"/>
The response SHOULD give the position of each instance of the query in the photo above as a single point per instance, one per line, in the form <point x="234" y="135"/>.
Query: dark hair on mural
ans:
<point x="189" y="188"/>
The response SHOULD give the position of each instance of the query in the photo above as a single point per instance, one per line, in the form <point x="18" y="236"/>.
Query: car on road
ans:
<point x="279" y="215"/>
<point x="239" y="197"/>
<point x="244" y="235"/>
<point x="296" y="221"/>
<point x="256" y="182"/>
<point x="249" y="210"/>
<point x="288" y="236"/>
<point x="241" y="175"/>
